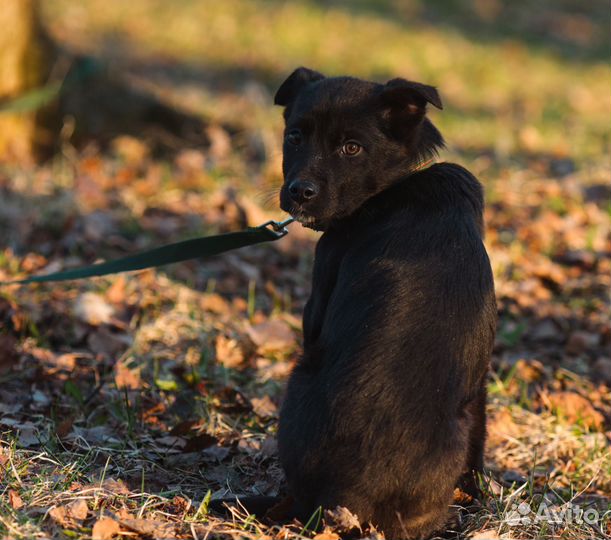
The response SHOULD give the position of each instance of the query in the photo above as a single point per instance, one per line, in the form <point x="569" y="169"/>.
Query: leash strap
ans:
<point x="206" y="246"/>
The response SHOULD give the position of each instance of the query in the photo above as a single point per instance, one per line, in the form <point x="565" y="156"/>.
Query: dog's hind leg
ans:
<point x="476" y="410"/>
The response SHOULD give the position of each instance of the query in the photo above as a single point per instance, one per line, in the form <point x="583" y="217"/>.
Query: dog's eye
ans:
<point x="351" y="148"/>
<point x="294" y="137"/>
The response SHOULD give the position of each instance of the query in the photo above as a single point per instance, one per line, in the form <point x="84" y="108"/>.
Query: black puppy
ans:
<point x="385" y="411"/>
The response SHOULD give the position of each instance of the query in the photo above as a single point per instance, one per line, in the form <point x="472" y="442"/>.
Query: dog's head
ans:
<point x="346" y="140"/>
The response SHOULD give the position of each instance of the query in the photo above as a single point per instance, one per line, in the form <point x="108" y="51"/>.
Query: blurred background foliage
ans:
<point x="516" y="77"/>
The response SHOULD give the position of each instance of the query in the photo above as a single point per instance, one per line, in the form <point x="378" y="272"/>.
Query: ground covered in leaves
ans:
<point x="128" y="403"/>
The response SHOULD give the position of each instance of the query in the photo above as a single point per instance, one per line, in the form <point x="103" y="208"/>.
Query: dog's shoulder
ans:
<point x="459" y="180"/>
<point x="443" y="190"/>
<point x="446" y="185"/>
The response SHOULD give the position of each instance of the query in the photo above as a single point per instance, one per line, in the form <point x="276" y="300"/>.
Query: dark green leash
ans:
<point x="172" y="253"/>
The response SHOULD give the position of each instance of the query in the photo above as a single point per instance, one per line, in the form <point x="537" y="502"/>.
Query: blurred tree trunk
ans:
<point x="25" y="59"/>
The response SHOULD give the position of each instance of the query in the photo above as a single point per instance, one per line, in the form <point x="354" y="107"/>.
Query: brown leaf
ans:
<point x="59" y="514"/>
<point x="271" y="336"/>
<point x="71" y="514"/>
<point x="529" y="370"/>
<point x="214" y="303"/>
<point x="4" y="457"/>
<point x="490" y="534"/>
<point x="126" y="377"/>
<point x="575" y="408"/>
<point x="117" y="487"/>
<point x="327" y="535"/>
<point x="15" y="500"/>
<point x="228" y="352"/>
<point x="342" y="519"/>
<point x="116" y="292"/>
<point x="149" y="527"/>
<point x="78" y="509"/>
<point x="462" y="498"/>
<point x="124" y="513"/>
<point x="501" y="426"/>
<point x="105" y="528"/>
<point x="264" y="407"/>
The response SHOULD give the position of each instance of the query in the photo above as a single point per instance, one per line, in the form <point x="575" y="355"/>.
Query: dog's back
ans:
<point x="385" y="411"/>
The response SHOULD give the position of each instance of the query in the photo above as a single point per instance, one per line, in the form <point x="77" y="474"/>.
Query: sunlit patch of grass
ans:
<point x="537" y="511"/>
<point x="493" y="89"/>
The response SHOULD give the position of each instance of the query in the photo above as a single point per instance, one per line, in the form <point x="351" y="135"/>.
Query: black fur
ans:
<point x="386" y="409"/>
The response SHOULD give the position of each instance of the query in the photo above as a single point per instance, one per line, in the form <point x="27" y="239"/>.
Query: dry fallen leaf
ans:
<point x="575" y="408"/>
<point x="118" y="487"/>
<point x="70" y="514"/>
<point x="29" y="435"/>
<point x="93" y="309"/>
<point x="150" y="527"/>
<point x="264" y="407"/>
<point x="500" y="427"/>
<point x="228" y="352"/>
<point x="529" y="370"/>
<point x="59" y="515"/>
<point x="490" y="534"/>
<point x="271" y="336"/>
<point x="342" y="519"/>
<point x="214" y="303"/>
<point x="78" y="509"/>
<point x="4" y="456"/>
<point x="105" y="528"/>
<point x="15" y="499"/>
<point x="327" y="535"/>
<point x="126" y="377"/>
<point x="462" y="498"/>
<point x="116" y="292"/>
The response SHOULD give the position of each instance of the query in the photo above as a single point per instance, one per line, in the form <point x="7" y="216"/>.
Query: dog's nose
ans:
<point x="302" y="191"/>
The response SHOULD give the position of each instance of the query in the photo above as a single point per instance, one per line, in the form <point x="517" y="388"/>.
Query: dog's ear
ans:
<point x="296" y="81"/>
<point x="410" y="97"/>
